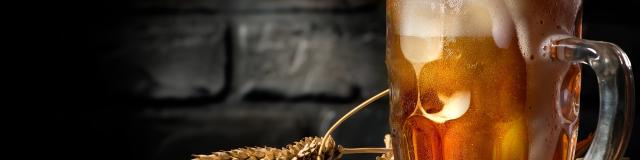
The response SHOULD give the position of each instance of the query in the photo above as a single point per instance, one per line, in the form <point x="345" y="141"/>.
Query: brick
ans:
<point x="180" y="56"/>
<point x="294" y="56"/>
<point x="255" y="5"/>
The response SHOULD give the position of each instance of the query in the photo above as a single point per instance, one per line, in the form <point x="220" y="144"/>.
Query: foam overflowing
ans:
<point x="420" y="18"/>
<point x="530" y="22"/>
<point x="427" y="22"/>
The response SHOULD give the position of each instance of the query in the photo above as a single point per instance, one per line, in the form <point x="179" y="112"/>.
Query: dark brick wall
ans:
<point x="170" y="78"/>
<point x="176" y="78"/>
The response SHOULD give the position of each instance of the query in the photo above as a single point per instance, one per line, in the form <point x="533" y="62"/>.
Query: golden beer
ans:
<point x="469" y="80"/>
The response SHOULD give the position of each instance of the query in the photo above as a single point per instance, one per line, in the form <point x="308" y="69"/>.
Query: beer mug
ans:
<point x="499" y="79"/>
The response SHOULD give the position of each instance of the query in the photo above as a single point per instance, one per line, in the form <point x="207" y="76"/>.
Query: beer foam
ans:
<point x="425" y="20"/>
<point x="499" y="19"/>
<point x="420" y="18"/>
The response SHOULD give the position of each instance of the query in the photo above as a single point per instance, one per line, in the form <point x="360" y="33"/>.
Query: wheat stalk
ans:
<point x="308" y="148"/>
<point x="305" y="149"/>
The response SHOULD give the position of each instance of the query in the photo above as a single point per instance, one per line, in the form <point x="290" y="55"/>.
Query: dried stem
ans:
<point x="365" y="150"/>
<point x="349" y="114"/>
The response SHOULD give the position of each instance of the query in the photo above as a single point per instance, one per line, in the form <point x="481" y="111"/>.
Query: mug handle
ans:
<point x="615" y="82"/>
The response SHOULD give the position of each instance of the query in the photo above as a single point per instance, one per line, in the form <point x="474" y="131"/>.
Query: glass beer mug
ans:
<point x="499" y="79"/>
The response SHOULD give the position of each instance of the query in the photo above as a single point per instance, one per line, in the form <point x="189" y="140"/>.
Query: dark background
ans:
<point x="165" y="79"/>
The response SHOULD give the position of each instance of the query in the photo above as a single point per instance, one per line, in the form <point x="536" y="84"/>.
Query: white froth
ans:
<point x="420" y="18"/>
<point x="427" y="22"/>
<point x="503" y="28"/>
<point x="419" y="50"/>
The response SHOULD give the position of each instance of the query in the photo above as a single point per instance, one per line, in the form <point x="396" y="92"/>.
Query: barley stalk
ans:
<point x="305" y="149"/>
